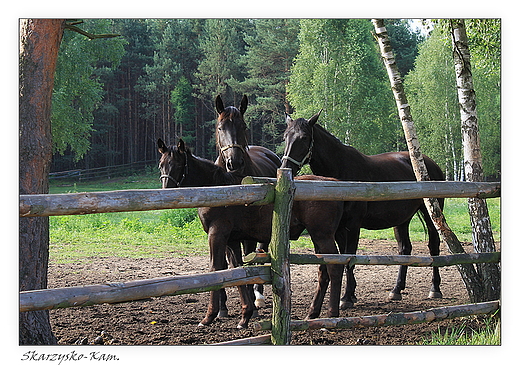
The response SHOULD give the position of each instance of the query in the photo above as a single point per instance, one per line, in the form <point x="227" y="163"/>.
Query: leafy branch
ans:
<point x="72" y="26"/>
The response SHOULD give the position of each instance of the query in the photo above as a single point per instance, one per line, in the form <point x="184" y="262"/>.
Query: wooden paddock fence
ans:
<point x="106" y="172"/>
<point x="282" y="192"/>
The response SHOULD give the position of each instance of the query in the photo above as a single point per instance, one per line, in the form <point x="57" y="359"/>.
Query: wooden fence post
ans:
<point x="280" y="272"/>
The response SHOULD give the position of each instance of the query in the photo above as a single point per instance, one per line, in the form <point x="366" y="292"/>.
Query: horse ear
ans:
<point x="181" y="146"/>
<point x="161" y="146"/>
<point x="219" y="105"/>
<point x="314" y="118"/>
<point x="243" y="104"/>
<point x="288" y="118"/>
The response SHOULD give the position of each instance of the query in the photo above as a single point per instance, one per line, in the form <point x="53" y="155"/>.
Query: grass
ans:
<point x="463" y="335"/>
<point x="178" y="232"/>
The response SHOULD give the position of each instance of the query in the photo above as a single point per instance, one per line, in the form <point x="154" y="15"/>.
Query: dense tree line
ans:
<point x="114" y="97"/>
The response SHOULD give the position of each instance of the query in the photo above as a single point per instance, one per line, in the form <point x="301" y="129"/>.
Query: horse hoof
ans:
<point x="435" y="295"/>
<point x="222" y="314"/>
<point x="395" y="296"/>
<point x="345" y="305"/>
<point x="260" y="303"/>
<point x="242" y="326"/>
<point x="202" y="325"/>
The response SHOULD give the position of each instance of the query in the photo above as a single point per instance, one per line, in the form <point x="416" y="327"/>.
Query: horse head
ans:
<point x="173" y="163"/>
<point x="231" y="135"/>
<point x="299" y="142"/>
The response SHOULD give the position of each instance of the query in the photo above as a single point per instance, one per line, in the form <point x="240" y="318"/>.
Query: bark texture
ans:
<point x="39" y="43"/>
<point x="482" y="233"/>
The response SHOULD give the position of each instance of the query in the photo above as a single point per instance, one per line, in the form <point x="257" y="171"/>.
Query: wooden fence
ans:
<point x="281" y="191"/>
<point x="106" y="172"/>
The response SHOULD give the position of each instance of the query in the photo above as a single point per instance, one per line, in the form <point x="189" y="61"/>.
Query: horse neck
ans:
<point x="330" y="157"/>
<point x="202" y="172"/>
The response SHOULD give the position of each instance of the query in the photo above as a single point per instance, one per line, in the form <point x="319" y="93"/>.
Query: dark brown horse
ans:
<point x="308" y="142"/>
<point x="227" y="226"/>
<point x="235" y="155"/>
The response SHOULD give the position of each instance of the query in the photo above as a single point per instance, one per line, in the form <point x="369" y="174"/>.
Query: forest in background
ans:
<point x="113" y="97"/>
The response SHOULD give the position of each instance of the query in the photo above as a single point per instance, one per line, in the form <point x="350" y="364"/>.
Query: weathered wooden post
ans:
<point x="280" y="272"/>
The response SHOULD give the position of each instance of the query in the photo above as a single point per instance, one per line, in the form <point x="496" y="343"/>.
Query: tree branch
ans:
<point x="72" y="27"/>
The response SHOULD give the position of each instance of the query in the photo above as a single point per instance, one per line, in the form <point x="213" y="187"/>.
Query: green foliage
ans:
<point x="338" y="70"/>
<point x="114" y="97"/>
<point x="463" y="335"/>
<point x="221" y="45"/>
<point x="270" y="49"/>
<point x="182" y="103"/>
<point x="77" y="88"/>
<point x="432" y="94"/>
<point x="178" y="217"/>
<point x="404" y="43"/>
<point x="132" y="234"/>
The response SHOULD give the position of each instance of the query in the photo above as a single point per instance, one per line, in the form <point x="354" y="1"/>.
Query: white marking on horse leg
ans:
<point x="259" y="300"/>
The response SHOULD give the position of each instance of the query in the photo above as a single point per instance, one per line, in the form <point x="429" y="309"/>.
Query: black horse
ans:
<point x="227" y="226"/>
<point x="235" y="155"/>
<point x="308" y="142"/>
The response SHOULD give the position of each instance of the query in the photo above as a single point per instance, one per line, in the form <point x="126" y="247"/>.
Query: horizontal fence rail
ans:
<point x="153" y="199"/>
<point x="375" y="191"/>
<point x="142" y="199"/>
<point x="406" y="260"/>
<point x="82" y="296"/>
<point x="391" y="319"/>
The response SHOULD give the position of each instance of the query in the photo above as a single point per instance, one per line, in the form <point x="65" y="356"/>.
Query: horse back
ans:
<point x="264" y="162"/>
<point x="397" y="166"/>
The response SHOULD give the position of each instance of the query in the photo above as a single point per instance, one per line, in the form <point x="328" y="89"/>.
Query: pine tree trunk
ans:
<point x="482" y="232"/>
<point x="470" y="277"/>
<point x="39" y="43"/>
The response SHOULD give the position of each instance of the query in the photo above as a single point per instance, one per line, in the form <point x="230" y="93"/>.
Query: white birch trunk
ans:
<point x="469" y="275"/>
<point x="482" y="232"/>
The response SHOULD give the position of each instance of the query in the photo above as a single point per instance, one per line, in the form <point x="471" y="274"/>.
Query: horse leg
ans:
<point x="258" y="289"/>
<point x="335" y="275"/>
<point x="324" y="244"/>
<point x="434" y="247"/>
<point x="352" y="239"/>
<point x="245" y="291"/>
<point x="319" y="295"/>
<point x="217" y="246"/>
<point x="402" y="235"/>
<point x="223" y="311"/>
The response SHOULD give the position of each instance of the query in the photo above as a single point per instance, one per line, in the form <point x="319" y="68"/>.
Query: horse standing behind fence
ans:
<point x="308" y="142"/>
<point x="227" y="226"/>
<point x="231" y="136"/>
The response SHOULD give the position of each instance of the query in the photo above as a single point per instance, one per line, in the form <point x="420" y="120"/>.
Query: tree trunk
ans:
<point x="39" y="44"/>
<point x="470" y="277"/>
<point x="482" y="232"/>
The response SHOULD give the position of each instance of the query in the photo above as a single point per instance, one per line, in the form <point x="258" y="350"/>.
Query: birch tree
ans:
<point x="469" y="275"/>
<point x="482" y="232"/>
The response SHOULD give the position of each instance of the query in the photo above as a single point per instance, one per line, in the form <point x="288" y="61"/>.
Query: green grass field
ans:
<point x="164" y="233"/>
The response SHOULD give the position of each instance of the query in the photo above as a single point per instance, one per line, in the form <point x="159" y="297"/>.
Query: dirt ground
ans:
<point x="173" y="320"/>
